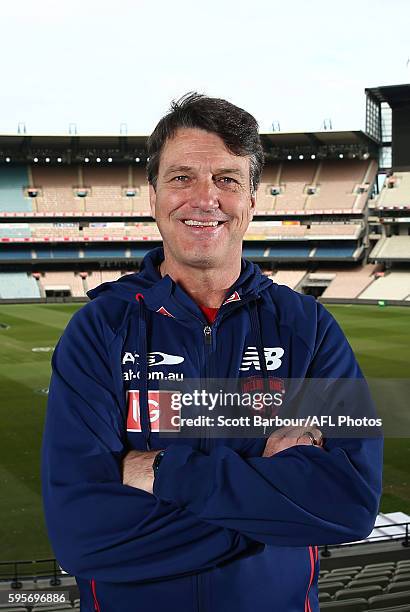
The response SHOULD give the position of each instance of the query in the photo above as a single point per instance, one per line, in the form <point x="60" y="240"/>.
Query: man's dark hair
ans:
<point x="236" y="127"/>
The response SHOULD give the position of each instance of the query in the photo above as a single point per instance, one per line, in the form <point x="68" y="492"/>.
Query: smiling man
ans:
<point x="199" y="524"/>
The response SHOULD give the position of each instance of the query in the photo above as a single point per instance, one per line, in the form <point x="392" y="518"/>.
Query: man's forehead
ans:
<point x="190" y="147"/>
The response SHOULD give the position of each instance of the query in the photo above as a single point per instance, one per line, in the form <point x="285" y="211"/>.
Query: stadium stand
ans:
<point x="335" y="249"/>
<point x="395" y="192"/>
<point x="13" y="179"/>
<point x="14" y="231"/>
<point x="395" y="247"/>
<point x="105" y="189"/>
<point x="18" y="285"/>
<point x="291" y="278"/>
<point x="52" y="282"/>
<point x="294" y="179"/>
<point x="350" y="283"/>
<point x="337" y="183"/>
<point x="56" y="189"/>
<point x="393" y="286"/>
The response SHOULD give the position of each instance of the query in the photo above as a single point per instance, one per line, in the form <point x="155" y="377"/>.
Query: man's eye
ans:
<point x="227" y="180"/>
<point x="180" y="178"/>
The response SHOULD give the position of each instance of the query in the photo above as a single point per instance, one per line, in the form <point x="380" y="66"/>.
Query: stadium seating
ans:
<point x="294" y="178"/>
<point x="12" y="253"/>
<point x="13" y="179"/>
<point x="335" y="250"/>
<point x="395" y="192"/>
<point x="291" y="278"/>
<point x="392" y="286"/>
<point x="106" y="189"/>
<point x="55" y="281"/>
<point x="350" y="283"/>
<point x="18" y="285"/>
<point x="336" y="184"/>
<point x="15" y="231"/>
<point x="372" y="587"/>
<point x="56" y="189"/>
<point x="396" y="247"/>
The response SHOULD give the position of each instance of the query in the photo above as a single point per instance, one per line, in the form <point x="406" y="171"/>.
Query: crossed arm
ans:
<point x="137" y="465"/>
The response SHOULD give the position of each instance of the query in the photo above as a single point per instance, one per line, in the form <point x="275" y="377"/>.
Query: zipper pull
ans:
<point x="208" y="334"/>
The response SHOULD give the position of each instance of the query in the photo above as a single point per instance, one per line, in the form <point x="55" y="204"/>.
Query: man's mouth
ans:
<point x="195" y="223"/>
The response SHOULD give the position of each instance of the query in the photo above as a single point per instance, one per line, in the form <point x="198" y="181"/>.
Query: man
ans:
<point x="198" y="524"/>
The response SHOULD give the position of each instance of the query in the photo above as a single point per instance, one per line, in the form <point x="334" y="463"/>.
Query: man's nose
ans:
<point x="205" y="195"/>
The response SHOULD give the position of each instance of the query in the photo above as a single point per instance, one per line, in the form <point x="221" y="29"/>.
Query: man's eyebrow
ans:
<point x="179" y="168"/>
<point x="230" y="171"/>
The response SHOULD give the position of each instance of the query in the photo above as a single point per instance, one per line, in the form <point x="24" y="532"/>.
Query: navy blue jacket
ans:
<point x="226" y="529"/>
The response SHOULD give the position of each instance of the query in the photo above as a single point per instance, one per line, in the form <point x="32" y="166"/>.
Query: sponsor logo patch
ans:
<point x="160" y="411"/>
<point x="273" y="359"/>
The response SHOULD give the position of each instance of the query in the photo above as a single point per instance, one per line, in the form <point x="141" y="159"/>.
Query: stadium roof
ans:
<point x="117" y="148"/>
<point x="323" y="138"/>
<point x="394" y="95"/>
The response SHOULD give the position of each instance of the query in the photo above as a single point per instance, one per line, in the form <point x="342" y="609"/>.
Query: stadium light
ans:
<point x="341" y="155"/>
<point x="300" y="156"/>
<point x="137" y="159"/>
<point x="59" y="160"/>
<point x="289" y="157"/>
<point x="86" y="159"/>
<point x="98" y="160"/>
<point x="35" y="160"/>
<point x="313" y="156"/>
<point x="109" y="159"/>
<point x="8" y="160"/>
<point x="47" y="160"/>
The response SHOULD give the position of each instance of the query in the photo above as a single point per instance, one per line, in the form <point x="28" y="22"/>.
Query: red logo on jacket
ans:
<point x="160" y="411"/>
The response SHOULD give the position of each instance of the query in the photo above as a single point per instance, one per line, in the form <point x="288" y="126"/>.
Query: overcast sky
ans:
<point x="99" y="64"/>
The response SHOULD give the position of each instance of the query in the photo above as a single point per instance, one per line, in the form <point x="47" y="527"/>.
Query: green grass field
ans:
<point x="380" y="338"/>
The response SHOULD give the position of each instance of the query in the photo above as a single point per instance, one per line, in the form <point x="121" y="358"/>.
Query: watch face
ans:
<point x="157" y="460"/>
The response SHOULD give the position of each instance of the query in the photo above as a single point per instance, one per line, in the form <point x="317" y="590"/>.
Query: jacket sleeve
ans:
<point x="98" y="527"/>
<point x="303" y="495"/>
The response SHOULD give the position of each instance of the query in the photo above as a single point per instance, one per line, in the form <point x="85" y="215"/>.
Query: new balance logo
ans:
<point x="272" y="356"/>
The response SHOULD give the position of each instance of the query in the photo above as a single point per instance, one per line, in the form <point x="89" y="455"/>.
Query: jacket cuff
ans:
<point x="184" y="477"/>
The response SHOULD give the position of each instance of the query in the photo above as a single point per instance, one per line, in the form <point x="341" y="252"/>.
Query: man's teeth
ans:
<point x="201" y="223"/>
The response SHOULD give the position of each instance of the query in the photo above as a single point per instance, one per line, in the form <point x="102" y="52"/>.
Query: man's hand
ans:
<point x="137" y="469"/>
<point x="286" y="437"/>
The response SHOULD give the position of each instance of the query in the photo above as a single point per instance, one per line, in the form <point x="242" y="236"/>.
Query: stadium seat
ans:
<point x="376" y="566"/>
<point x="331" y="578"/>
<point x="397" y="587"/>
<point x="12" y="181"/>
<point x="347" y="570"/>
<point x="401" y="576"/>
<point x="403" y="608"/>
<point x="347" y="605"/>
<point x="389" y="599"/>
<point x="331" y="587"/>
<point x="383" y="581"/>
<point x="366" y="592"/>
<point x="324" y="597"/>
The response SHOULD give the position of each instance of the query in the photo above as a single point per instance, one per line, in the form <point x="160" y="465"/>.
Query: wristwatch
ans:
<point x="157" y="461"/>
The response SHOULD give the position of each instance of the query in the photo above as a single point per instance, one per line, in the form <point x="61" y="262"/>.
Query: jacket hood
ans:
<point x="157" y="290"/>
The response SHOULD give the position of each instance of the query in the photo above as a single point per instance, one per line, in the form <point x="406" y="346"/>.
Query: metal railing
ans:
<point x="49" y="568"/>
<point x="325" y="550"/>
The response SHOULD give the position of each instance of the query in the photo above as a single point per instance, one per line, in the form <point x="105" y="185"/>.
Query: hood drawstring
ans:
<point x="256" y="329"/>
<point x="143" y="390"/>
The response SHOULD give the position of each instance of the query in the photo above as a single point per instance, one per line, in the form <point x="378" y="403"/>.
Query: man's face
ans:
<point x="202" y="203"/>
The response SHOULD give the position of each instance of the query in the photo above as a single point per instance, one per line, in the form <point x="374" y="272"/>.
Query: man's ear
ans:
<point x="152" y="199"/>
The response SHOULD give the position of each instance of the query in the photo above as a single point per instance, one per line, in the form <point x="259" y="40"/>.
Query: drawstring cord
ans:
<point x="256" y="329"/>
<point x="143" y="390"/>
